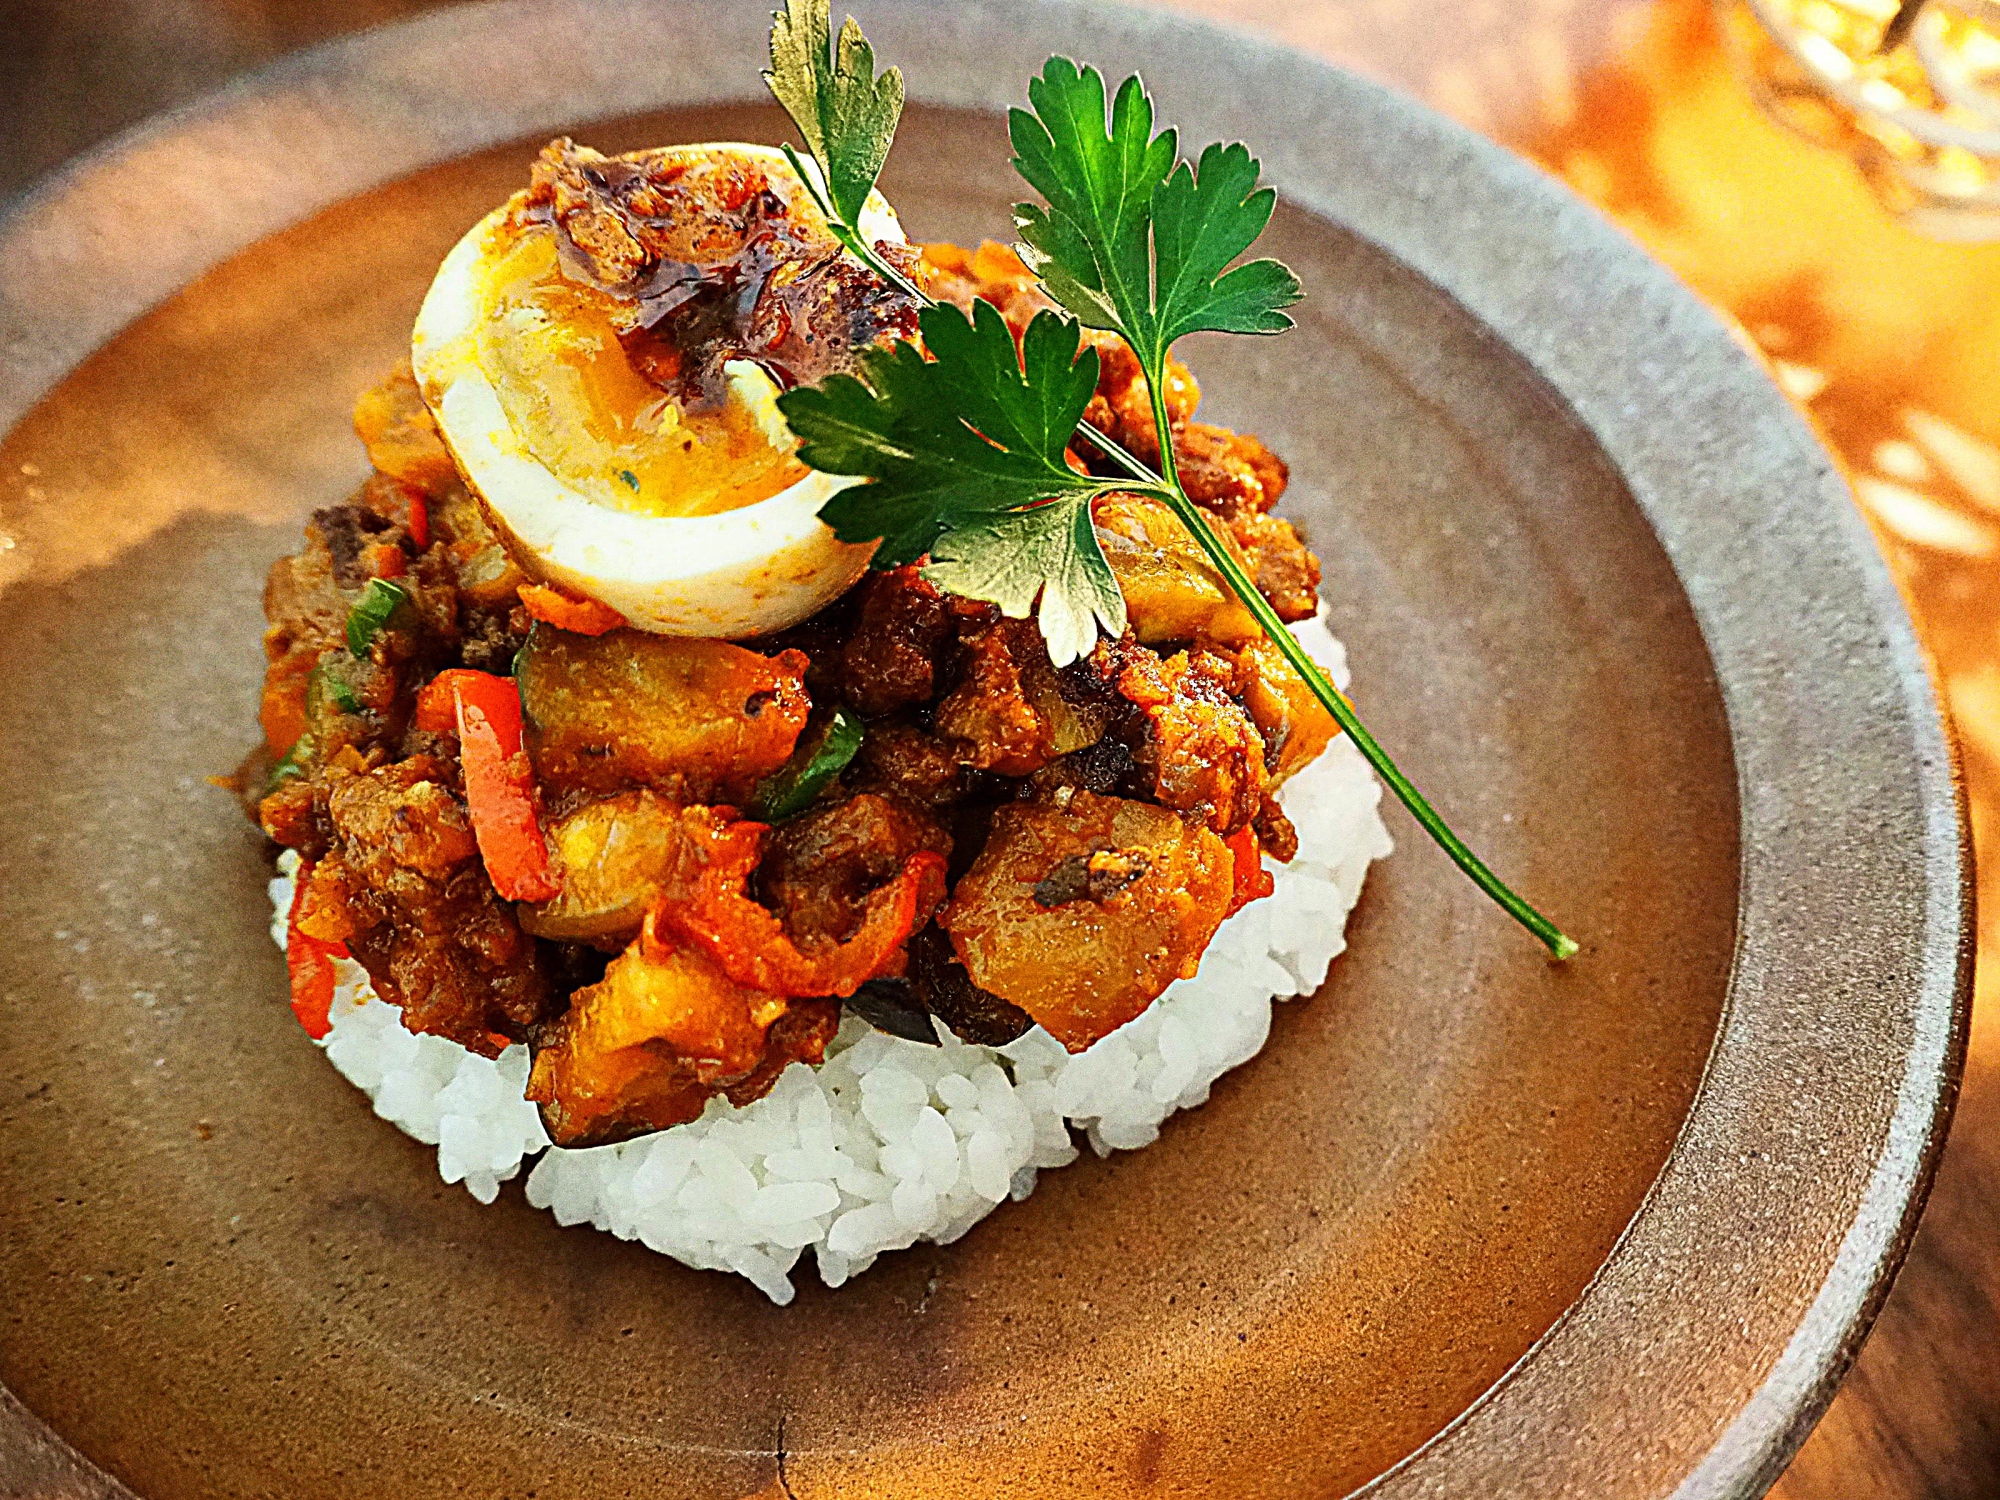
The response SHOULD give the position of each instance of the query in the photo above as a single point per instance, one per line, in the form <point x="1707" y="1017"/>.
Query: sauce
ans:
<point x="641" y="313"/>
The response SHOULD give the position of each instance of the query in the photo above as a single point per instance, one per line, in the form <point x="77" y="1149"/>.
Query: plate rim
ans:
<point x="365" y="109"/>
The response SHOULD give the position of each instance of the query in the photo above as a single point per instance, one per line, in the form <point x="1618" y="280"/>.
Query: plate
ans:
<point x="1472" y="1224"/>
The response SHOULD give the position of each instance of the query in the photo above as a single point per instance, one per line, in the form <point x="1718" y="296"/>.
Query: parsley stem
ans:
<point x="1371" y="749"/>
<point x="1168" y="487"/>
<point x="1552" y="937"/>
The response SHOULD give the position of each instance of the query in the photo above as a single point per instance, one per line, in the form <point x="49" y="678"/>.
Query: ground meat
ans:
<point x="1202" y="750"/>
<point x="1275" y="833"/>
<point x="988" y="718"/>
<point x="799" y="1035"/>
<point x="425" y="921"/>
<point x="1012" y="712"/>
<point x="1122" y="409"/>
<point x="890" y="659"/>
<point x="1227" y="472"/>
<point x="818" y="869"/>
<point x="915" y="766"/>
<point x="490" y="639"/>
<point x="1108" y="768"/>
<point x="940" y="982"/>
<point x="304" y="605"/>
<point x="956" y="276"/>
<point x="348" y="530"/>
<point x="295" y="816"/>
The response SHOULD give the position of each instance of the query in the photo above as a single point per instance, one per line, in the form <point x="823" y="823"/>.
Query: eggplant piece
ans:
<point x="939" y="982"/>
<point x="891" y="1005"/>
<point x="1084" y="968"/>
<point x="1172" y="591"/>
<point x="699" y="720"/>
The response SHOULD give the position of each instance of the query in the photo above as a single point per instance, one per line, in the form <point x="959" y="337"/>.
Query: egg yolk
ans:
<point x="572" y="396"/>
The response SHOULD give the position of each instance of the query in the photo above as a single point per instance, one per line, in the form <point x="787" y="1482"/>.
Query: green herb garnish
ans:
<point x="289" y="765"/>
<point x="372" y="611"/>
<point x="1129" y="239"/>
<point x="847" y="114"/>
<point x="822" y="753"/>
<point x="327" y="684"/>
<point x="955" y="445"/>
<point x="1132" y="239"/>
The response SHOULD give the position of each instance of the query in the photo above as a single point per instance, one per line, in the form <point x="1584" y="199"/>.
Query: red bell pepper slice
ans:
<point x="500" y="786"/>
<point x="309" y="963"/>
<point x="1252" y="881"/>
<point x="437" y="703"/>
<point x="749" y="944"/>
<point x="579" y="616"/>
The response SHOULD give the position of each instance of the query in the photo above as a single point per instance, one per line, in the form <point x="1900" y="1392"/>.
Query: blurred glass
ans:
<point x="1910" y="92"/>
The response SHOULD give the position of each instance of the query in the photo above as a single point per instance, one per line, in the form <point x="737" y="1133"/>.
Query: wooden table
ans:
<point x="1891" y="342"/>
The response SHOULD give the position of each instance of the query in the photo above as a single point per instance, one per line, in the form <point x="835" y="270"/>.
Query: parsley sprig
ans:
<point x="963" y="441"/>
<point x="966" y="452"/>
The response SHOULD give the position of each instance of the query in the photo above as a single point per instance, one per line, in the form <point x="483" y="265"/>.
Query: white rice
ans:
<point x="888" y="1141"/>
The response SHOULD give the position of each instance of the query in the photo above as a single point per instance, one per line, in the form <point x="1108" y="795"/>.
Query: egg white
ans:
<point x="741" y="572"/>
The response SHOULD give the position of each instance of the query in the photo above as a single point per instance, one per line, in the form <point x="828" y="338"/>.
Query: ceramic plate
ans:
<point x="1472" y="1224"/>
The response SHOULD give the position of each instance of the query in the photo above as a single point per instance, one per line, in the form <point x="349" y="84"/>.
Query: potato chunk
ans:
<point x="1295" y="724"/>
<point x="615" y="858"/>
<point x="1172" y="591"/>
<point x="646" y="1047"/>
<point x="698" y="720"/>
<point x="1084" y="967"/>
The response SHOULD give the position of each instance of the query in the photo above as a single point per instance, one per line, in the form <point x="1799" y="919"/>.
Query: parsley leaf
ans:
<point x="846" y="114"/>
<point x="1050" y="550"/>
<point x="1130" y="239"/>
<point x="965" y="451"/>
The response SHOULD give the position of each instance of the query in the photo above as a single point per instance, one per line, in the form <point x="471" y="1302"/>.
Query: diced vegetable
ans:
<point x="646" y="1047"/>
<point x="822" y="753"/>
<point x="1252" y="882"/>
<point x="437" y="703"/>
<point x="581" y="616"/>
<point x="700" y="720"/>
<point x="420" y="520"/>
<point x="309" y="963"/>
<point x="372" y="613"/>
<point x="1172" y="591"/>
<point x="1294" y="723"/>
<point x="281" y="710"/>
<point x="500" y="787"/>
<point x="750" y="944"/>
<point x="384" y="560"/>
<point x="402" y="439"/>
<point x="614" y="859"/>
<point x="486" y="573"/>
<point x="1085" y="967"/>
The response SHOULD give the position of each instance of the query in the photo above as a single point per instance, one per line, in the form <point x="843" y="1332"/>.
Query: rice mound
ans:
<point x="888" y="1141"/>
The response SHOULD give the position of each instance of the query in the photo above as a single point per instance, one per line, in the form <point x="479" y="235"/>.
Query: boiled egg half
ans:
<point x="603" y="355"/>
